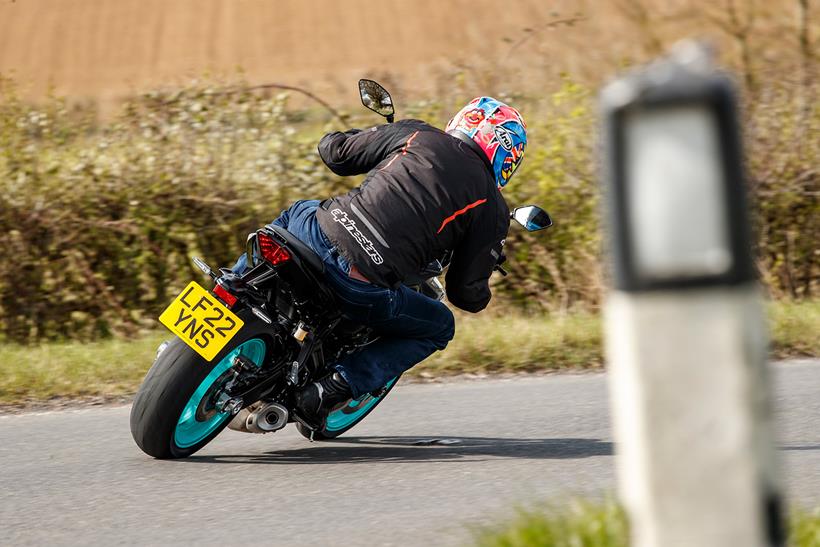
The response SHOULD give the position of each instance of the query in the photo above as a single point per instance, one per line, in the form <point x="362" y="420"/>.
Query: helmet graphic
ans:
<point x="498" y="129"/>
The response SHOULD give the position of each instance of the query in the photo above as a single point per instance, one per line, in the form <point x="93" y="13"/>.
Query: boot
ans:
<point x="315" y="401"/>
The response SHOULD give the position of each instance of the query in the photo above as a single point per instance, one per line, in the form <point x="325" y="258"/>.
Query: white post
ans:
<point x="692" y="417"/>
<point x="686" y="339"/>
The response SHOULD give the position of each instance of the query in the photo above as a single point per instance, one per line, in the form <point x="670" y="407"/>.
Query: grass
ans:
<point x="110" y="369"/>
<point x="588" y="524"/>
<point x="483" y="344"/>
<point x="804" y="529"/>
<point x="579" y="524"/>
<point x="795" y="328"/>
<point x="516" y="343"/>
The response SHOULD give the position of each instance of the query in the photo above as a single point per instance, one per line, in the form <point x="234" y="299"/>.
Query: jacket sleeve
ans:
<point x="358" y="151"/>
<point x="468" y="277"/>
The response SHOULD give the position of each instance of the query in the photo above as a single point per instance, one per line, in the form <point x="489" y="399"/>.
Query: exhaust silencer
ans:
<point x="264" y="418"/>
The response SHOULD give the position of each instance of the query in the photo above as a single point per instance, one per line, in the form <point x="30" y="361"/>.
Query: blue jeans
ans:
<point x="411" y="326"/>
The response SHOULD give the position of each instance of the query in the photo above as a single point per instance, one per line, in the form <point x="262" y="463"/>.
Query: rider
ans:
<point x="427" y="191"/>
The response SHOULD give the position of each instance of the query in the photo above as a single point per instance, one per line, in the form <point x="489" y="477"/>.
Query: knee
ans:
<point x="447" y="328"/>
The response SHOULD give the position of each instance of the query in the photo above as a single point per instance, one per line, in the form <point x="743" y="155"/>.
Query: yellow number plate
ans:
<point x="201" y="320"/>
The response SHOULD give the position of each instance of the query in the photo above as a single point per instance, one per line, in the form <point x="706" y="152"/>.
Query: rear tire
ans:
<point x="345" y="417"/>
<point x="171" y="416"/>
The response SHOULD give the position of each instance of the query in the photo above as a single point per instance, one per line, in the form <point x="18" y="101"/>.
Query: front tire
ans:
<point x="346" y="416"/>
<point x="173" y="414"/>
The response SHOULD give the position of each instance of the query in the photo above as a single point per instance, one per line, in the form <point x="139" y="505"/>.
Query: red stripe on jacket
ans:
<point x="402" y="152"/>
<point x="460" y="212"/>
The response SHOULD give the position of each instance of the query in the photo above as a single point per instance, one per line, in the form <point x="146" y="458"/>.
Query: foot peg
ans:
<point x="310" y="427"/>
<point x="381" y="392"/>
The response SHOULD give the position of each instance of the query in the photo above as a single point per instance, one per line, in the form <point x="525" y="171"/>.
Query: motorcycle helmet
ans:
<point x="497" y="129"/>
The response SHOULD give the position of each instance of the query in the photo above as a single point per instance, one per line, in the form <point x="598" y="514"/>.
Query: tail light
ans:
<point x="224" y="295"/>
<point x="272" y="251"/>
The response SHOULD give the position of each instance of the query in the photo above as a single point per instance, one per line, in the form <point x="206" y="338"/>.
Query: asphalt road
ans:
<point x="76" y="478"/>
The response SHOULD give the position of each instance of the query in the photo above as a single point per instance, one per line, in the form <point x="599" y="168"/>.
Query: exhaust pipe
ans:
<point x="260" y="418"/>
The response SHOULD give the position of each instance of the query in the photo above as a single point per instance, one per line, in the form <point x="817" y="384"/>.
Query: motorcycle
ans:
<point x="244" y="348"/>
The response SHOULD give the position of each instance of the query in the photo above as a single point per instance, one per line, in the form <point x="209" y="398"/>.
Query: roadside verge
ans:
<point x="113" y="369"/>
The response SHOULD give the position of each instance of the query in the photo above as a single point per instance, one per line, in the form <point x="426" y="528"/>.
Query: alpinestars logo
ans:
<point x="350" y="225"/>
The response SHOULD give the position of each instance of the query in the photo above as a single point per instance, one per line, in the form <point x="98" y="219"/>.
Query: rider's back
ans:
<point x="426" y="192"/>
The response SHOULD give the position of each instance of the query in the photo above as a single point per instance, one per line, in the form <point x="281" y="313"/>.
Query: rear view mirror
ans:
<point x="376" y="98"/>
<point x="532" y="218"/>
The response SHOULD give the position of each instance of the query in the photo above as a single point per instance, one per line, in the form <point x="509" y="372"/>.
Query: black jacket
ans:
<point x="426" y="192"/>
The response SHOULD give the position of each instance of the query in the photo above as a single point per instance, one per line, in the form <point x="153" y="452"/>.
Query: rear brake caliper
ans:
<point x="244" y="365"/>
<point x="244" y="373"/>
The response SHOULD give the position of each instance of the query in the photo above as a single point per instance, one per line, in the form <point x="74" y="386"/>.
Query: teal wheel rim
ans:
<point x="353" y="411"/>
<point x="193" y="428"/>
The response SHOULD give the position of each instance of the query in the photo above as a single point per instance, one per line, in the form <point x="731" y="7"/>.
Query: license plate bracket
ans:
<point x="201" y="321"/>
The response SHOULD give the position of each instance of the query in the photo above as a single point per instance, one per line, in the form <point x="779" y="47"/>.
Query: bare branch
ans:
<point x="530" y="32"/>
<point x="305" y="92"/>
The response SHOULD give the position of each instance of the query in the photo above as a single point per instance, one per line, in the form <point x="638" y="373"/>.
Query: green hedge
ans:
<point x="98" y="221"/>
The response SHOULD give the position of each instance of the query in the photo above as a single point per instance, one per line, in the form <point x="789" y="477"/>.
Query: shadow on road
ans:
<point x="419" y="449"/>
<point x="801" y="447"/>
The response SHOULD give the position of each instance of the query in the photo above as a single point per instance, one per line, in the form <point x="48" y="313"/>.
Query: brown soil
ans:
<point x="105" y="49"/>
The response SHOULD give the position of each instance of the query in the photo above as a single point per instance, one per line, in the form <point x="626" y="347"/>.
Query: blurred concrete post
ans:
<point x="686" y="339"/>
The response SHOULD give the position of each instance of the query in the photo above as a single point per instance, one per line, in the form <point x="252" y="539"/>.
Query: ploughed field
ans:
<point x="105" y="49"/>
